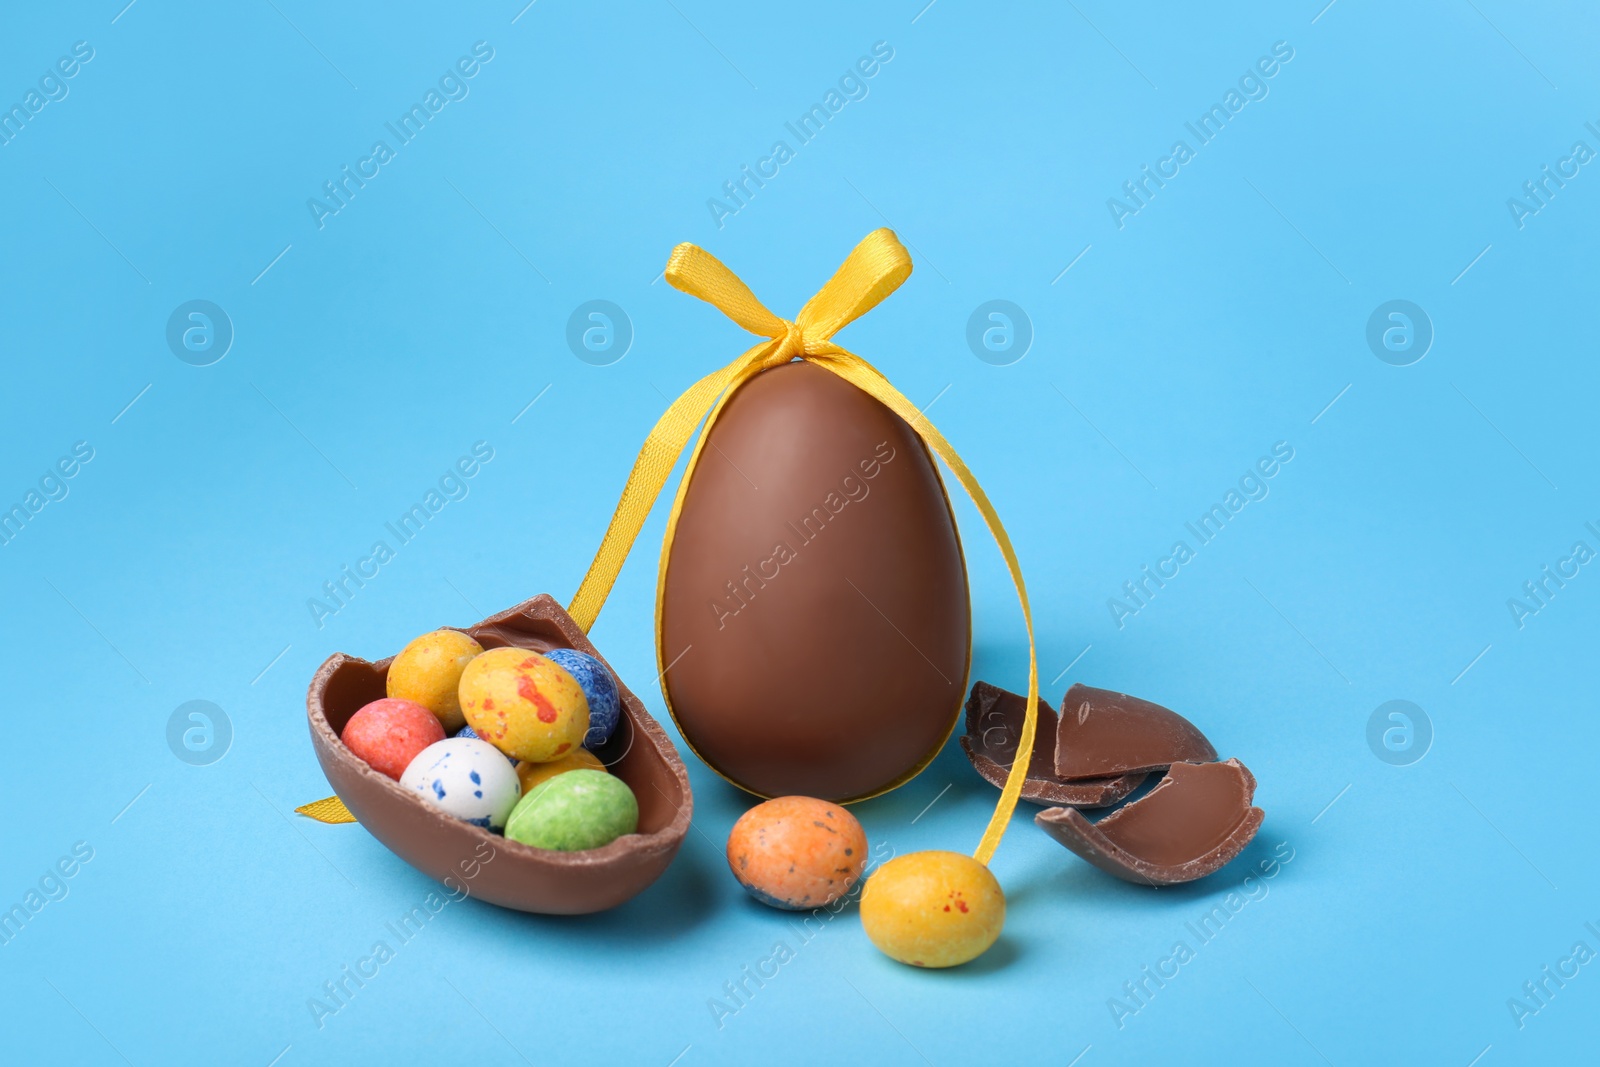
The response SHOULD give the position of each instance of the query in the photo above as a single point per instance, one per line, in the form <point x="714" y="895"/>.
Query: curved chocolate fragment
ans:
<point x="1190" y="825"/>
<point x="994" y="725"/>
<point x="468" y="857"/>
<point x="1103" y="734"/>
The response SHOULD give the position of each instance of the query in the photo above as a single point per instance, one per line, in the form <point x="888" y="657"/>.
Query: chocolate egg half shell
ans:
<point x="815" y="624"/>
<point x="468" y="857"/>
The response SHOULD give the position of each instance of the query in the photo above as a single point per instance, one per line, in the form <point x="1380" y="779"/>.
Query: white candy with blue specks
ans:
<point x="465" y="777"/>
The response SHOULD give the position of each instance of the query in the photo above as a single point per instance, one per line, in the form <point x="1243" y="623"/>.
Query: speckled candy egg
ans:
<point x="579" y="759"/>
<point x="933" y="909"/>
<point x="524" y="704"/>
<point x="389" y="733"/>
<point x="797" y="853"/>
<point x="466" y="778"/>
<point x="428" y="672"/>
<point x="599" y="687"/>
<point x="467" y="731"/>
<point x="574" y="811"/>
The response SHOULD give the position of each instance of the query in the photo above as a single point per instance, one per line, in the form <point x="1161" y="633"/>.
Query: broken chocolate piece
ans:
<point x="467" y="858"/>
<point x="1193" y="822"/>
<point x="994" y="725"/>
<point x="1103" y="734"/>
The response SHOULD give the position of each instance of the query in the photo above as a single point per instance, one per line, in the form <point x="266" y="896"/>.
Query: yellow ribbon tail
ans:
<point x="650" y="472"/>
<point x="864" y="376"/>
<point x="328" y="810"/>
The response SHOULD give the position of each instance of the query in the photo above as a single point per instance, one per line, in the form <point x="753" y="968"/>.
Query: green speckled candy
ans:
<point x="574" y="811"/>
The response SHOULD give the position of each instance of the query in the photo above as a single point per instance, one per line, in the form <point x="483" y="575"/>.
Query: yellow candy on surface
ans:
<point x="933" y="909"/>
<point x="580" y="759"/>
<point x="428" y="672"/>
<point x="524" y="705"/>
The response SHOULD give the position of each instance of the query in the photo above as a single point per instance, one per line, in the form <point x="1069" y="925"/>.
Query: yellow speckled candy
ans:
<point x="933" y="909"/>
<point x="524" y="705"/>
<point x="428" y="672"/>
<point x="579" y="759"/>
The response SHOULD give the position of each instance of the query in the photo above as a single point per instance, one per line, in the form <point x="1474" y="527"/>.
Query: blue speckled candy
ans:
<point x="467" y="731"/>
<point x="599" y="687"/>
<point x="466" y="778"/>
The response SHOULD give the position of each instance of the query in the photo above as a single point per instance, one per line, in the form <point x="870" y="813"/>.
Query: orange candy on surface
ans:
<point x="797" y="853"/>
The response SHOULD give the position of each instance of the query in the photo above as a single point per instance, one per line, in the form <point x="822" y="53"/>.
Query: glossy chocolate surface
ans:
<point x="1104" y="733"/>
<point x="994" y="726"/>
<point x="1196" y="819"/>
<point x="815" y="625"/>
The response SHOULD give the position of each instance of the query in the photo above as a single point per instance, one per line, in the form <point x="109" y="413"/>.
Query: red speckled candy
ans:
<point x="389" y="733"/>
<point x="797" y="853"/>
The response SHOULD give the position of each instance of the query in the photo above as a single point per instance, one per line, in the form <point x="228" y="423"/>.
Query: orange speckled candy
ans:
<point x="523" y="704"/>
<point x="428" y="672"/>
<point x="797" y="853"/>
<point x="933" y="909"/>
<point x="579" y="759"/>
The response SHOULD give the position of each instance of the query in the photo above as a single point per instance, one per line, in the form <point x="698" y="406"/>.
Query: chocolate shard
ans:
<point x="1196" y="819"/>
<point x="1103" y="734"/>
<point x="994" y="725"/>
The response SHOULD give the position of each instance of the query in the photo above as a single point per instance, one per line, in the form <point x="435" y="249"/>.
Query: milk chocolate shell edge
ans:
<point x="485" y="865"/>
<point x="994" y="723"/>
<point x="1192" y="824"/>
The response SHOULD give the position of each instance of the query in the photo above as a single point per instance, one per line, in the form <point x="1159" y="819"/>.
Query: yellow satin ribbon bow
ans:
<point x="876" y="268"/>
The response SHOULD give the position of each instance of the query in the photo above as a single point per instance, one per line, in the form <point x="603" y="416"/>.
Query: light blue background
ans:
<point x="1225" y="316"/>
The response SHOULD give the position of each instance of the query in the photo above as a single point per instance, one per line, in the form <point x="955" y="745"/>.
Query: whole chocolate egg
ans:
<point x="815" y="625"/>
